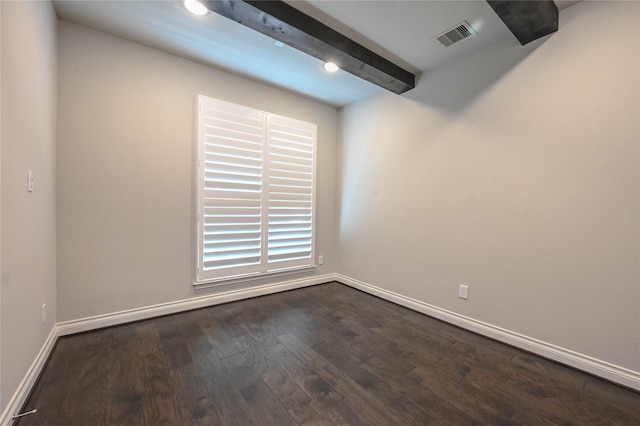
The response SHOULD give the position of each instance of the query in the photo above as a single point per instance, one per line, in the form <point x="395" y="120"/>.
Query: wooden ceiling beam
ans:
<point x="288" y="25"/>
<point x="528" y="20"/>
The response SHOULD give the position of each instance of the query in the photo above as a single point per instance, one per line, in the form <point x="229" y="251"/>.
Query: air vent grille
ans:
<point x="453" y="35"/>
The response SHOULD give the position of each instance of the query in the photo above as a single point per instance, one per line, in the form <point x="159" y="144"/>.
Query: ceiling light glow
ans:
<point x="331" y="67"/>
<point x="195" y="7"/>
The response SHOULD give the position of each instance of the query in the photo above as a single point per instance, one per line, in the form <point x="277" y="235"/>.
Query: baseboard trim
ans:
<point x="614" y="373"/>
<point x="22" y="393"/>
<point x="130" y="315"/>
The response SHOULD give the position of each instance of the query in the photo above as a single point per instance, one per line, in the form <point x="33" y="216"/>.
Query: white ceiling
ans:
<point x="400" y="31"/>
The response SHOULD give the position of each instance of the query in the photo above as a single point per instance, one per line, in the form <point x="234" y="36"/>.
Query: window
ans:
<point x="256" y="192"/>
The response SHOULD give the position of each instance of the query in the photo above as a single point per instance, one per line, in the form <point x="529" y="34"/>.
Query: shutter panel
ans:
<point x="291" y="192"/>
<point x="231" y="179"/>
<point x="256" y="191"/>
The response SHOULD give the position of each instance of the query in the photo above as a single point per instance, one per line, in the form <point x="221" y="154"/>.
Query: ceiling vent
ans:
<point x="453" y="35"/>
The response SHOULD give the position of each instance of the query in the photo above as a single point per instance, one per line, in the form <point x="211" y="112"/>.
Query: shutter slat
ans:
<point x="213" y="265"/>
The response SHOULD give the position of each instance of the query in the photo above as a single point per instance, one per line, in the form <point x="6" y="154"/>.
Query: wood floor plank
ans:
<point x="509" y="403"/>
<point x="414" y="341"/>
<point x="89" y="393"/>
<point x="387" y="396"/>
<point x="304" y="353"/>
<point x="439" y="409"/>
<point x="293" y="397"/>
<point x="219" y="339"/>
<point x="534" y="369"/>
<point x="86" y="385"/>
<point x="322" y="395"/>
<point x="471" y="360"/>
<point x="278" y="317"/>
<point x="230" y="317"/>
<point x="310" y="382"/>
<point x="167" y="327"/>
<point x="255" y="353"/>
<point x="480" y="342"/>
<point x="189" y="390"/>
<point x="426" y="321"/>
<point x="242" y="372"/>
<point x="204" y="412"/>
<point x="322" y="355"/>
<point x="442" y="373"/>
<point x="125" y="383"/>
<point x="230" y="406"/>
<point x="321" y="328"/>
<point x="255" y="329"/>
<point x="188" y="321"/>
<point x="614" y="397"/>
<point x="62" y="367"/>
<point x="158" y="399"/>
<point x="366" y="404"/>
<point x="264" y="406"/>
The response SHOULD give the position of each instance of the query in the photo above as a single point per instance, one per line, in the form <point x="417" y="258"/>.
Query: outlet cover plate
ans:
<point x="463" y="292"/>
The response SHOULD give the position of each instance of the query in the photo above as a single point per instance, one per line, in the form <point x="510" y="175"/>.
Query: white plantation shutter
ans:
<point x="290" y="161"/>
<point x="256" y="191"/>
<point x="231" y="180"/>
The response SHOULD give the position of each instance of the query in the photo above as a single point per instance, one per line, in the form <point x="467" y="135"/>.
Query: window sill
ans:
<point x="221" y="282"/>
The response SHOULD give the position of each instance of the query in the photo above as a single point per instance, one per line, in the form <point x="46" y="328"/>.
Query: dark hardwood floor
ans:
<point x="322" y="355"/>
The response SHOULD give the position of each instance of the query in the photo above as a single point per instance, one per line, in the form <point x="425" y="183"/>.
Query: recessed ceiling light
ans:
<point x="331" y="67"/>
<point x="195" y="7"/>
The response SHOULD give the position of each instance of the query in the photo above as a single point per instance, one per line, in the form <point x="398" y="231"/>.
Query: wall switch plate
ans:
<point x="30" y="181"/>
<point x="463" y="291"/>
<point x="321" y="260"/>
<point x="43" y="313"/>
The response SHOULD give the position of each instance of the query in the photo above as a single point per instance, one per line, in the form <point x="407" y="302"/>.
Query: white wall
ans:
<point x="514" y="171"/>
<point x="126" y="143"/>
<point x="28" y="219"/>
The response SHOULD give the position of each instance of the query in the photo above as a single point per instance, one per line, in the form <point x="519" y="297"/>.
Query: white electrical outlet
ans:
<point x="463" y="291"/>
<point x="321" y="260"/>
<point x="30" y="181"/>
<point x="43" y="313"/>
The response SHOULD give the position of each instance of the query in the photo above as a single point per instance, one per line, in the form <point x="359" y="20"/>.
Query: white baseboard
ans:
<point x="614" y="373"/>
<point x="22" y="393"/>
<point x="130" y="315"/>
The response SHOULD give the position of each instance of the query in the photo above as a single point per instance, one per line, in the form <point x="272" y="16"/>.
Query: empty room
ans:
<point x="319" y="212"/>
